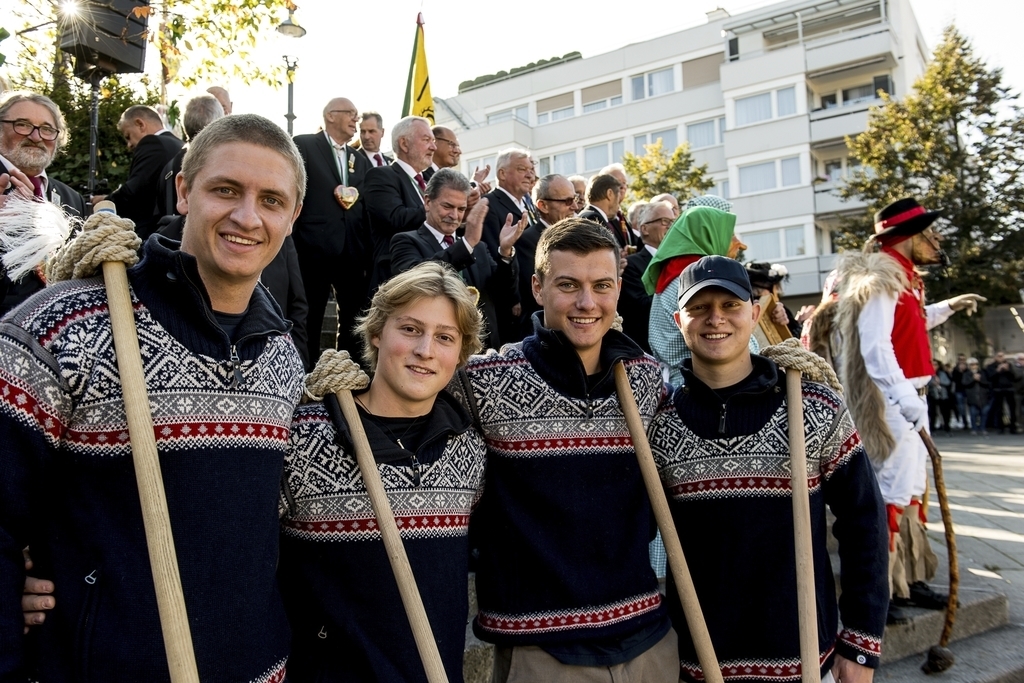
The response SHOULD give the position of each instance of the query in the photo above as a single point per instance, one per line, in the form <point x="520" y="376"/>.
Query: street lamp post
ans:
<point x="290" y="64"/>
<point x="289" y="27"/>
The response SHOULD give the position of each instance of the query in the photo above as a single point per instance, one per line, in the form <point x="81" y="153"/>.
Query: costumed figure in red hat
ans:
<point x="886" y="364"/>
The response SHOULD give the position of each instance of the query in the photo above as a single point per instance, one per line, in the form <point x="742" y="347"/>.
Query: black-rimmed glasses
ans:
<point x="26" y="128"/>
<point x="568" y="201"/>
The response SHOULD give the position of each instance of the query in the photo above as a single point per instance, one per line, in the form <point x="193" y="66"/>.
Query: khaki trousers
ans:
<point x="530" y="664"/>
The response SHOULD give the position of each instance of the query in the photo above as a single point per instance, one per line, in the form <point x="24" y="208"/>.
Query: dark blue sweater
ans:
<point x="724" y="459"/>
<point x="347" y="616"/>
<point x="566" y="520"/>
<point x="67" y="484"/>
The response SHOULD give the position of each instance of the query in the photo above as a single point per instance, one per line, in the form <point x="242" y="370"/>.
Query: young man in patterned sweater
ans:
<point x="347" y="618"/>
<point x="722" y="448"/>
<point x="564" y="582"/>
<point x="223" y="380"/>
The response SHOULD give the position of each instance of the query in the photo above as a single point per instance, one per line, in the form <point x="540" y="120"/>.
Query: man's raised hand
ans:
<point x="509" y="234"/>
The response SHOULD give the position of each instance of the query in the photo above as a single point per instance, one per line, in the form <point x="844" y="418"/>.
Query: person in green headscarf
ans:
<point x="705" y="228"/>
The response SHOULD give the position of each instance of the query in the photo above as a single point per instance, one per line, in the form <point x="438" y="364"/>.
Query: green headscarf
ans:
<point x="699" y="231"/>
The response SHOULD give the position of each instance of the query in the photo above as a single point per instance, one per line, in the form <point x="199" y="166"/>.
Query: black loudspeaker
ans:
<point x="107" y="37"/>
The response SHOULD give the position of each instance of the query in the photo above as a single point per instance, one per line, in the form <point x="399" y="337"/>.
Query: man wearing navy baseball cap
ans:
<point x="722" y="449"/>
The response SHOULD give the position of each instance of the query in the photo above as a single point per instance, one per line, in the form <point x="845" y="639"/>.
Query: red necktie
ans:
<point x="378" y="159"/>
<point x="448" y="241"/>
<point x="37" y="183"/>
<point x="419" y="181"/>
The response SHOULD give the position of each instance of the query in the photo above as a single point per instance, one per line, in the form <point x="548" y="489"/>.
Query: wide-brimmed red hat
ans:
<point x="903" y="218"/>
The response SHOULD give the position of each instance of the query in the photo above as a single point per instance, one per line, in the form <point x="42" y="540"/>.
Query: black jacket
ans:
<point x="499" y="206"/>
<point x="526" y="252"/>
<point x="137" y="197"/>
<point x="494" y="278"/>
<point x="634" y="301"/>
<point x="394" y="204"/>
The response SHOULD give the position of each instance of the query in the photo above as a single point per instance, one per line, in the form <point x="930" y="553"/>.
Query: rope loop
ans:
<point x="334" y="372"/>
<point x="104" y="237"/>
<point x="790" y="355"/>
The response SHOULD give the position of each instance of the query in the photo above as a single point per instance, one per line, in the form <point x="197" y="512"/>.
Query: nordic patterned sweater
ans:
<point x="347" y="616"/>
<point x="68" y="490"/>
<point x="724" y="461"/>
<point x="566" y="520"/>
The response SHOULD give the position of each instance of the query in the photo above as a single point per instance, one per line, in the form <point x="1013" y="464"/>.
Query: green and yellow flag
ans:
<point x="418" y="101"/>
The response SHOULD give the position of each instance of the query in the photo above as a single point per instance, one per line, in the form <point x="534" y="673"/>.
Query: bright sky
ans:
<point x="365" y="55"/>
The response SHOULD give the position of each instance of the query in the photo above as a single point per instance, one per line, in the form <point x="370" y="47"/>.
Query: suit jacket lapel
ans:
<point x="330" y="158"/>
<point x="429" y="239"/>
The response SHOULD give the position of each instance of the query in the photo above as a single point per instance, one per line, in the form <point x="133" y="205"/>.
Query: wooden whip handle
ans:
<point x="673" y="548"/>
<point x="805" y="602"/>
<point x="407" y="589"/>
<point x="170" y="599"/>
<point x="947" y="523"/>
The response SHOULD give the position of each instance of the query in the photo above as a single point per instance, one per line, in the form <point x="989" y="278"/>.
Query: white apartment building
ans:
<point x="764" y="98"/>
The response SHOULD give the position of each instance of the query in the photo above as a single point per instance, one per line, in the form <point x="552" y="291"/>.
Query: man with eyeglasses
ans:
<point x="516" y="177"/>
<point x="331" y="232"/>
<point x="555" y="199"/>
<point x="447" y="155"/>
<point x="31" y="133"/>
<point x="654" y="220"/>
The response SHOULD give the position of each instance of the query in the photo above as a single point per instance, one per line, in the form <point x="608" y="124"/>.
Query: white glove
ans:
<point x="913" y="410"/>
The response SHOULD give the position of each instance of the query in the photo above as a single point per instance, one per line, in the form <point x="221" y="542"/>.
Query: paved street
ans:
<point x="985" y="482"/>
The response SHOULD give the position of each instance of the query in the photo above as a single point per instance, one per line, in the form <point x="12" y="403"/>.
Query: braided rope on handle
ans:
<point x="104" y="237"/>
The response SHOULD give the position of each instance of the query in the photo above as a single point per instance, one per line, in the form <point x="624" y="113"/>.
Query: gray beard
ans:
<point x="29" y="159"/>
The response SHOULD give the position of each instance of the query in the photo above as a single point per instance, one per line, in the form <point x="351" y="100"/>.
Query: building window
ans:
<point x="595" y="157"/>
<point x="757" y="177"/>
<point x="565" y="163"/>
<point x="669" y="141"/>
<point x="790" y="171"/>
<point x="481" y="163"/>
<point x="834" y="170"/>
<point x="521" y="114"/>
<point x="787" y="101"/>
<point x="762" y="245"/>
<point x="753" y="109"/>
<point x="618" y="148"/>
<point x="862" y="93"/>
<point x="765" y="175"/>
<point x="768" y="245"/>
<point x="653" y="84"/>
<point x="555" y="108"/>
<point x="725" y="193"/>
<point x="794" y="238"/>
<point x="544" y="166"/>
<point x="829" y="101"/>
<point x="701" y="134"/>
<point x="602" y="96"/>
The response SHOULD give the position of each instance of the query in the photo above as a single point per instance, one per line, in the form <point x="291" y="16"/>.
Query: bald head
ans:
<point x="222" y="96"/>
<point x="341" y="119"/>
<point x="448" y="151"/>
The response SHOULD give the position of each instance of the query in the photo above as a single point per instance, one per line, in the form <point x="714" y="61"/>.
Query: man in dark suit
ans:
<point x="394" y="194"/>
<point x="152" y="146"/>
<point x="555" y="199"/>
<point x="625" y="234"/>
<point x="603" y="194"/>
<point x="200" y="111"/>
<point x="516" y="175"/>
<point x="654" y="220"/>
<point x="330" y="233"/>
<point x="493" y="275"/>
<point x="371" y="132"/>
<point x="32" y="132"/>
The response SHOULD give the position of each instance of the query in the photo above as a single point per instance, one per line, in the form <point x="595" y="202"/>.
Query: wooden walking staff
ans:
<point x="410" y="594"/>
<point x="806" y="607"/>
<point x="939" y="656"/>
<point x="170" y="599"/>
<point x="673" y="548"/>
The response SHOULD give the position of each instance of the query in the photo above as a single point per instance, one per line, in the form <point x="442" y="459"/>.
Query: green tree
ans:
<point x="194" y="41"/>
<point x="656" y="172"/>
<point x="956" y="142"/>
<point x="113" y="158"/>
